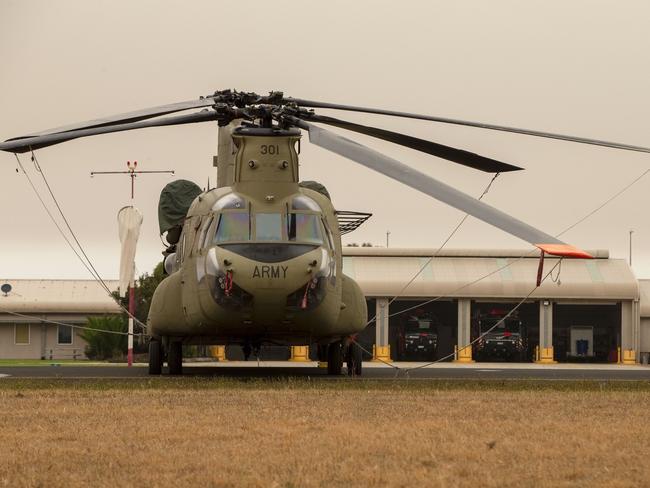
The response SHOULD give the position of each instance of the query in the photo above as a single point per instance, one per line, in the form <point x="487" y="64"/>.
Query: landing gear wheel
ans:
<point x="155" y="357"/>
<point x="335" y="358"/>
<point x="175" y="358"/>
<point x="321" y="351"/>
<point x="247" y="350"/>
<point x="354" y="359"/>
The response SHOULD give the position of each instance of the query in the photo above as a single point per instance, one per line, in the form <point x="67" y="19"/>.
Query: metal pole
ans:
<point x="387" y="236"/>
<point x="631" y="232"/>
<point x="129" y="347"/>
<point x="132" y="172"/>
<point x="129" y="354"/>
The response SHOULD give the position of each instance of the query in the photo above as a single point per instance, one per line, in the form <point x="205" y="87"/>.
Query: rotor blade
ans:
<point x="36" y="142"/>
<point x="469" y="123"/>
<point x="459" y="156"/>
<point x="436" y="189"/>
<point x="127" y="117"/>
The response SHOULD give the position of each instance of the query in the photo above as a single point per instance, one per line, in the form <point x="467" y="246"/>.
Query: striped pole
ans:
<point x="129" y="354"/>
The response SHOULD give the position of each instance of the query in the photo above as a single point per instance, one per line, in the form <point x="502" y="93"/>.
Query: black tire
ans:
<point x="155" y="357"/>
<point x="335" y="358"/>
<point x="354" y="359"/>
<point x="175" y="358"/>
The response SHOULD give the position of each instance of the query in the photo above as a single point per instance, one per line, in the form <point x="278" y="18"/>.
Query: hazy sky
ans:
<point x="578" y="67"/>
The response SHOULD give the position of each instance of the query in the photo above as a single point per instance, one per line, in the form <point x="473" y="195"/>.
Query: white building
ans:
<point x="65" y="301"/>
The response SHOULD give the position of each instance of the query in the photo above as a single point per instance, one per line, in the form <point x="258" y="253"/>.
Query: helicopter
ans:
<point x="258" y="259"/>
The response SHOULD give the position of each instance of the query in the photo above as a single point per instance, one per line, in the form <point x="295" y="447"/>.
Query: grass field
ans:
<point x="192" y="432"/>
<point x="48" y="362"/>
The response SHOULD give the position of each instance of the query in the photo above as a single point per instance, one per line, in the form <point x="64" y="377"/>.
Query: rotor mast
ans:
<point x="226" y="151"/>
<point x="266" y="162"/>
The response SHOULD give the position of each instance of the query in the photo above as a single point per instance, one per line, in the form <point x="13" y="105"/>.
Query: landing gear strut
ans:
<point x="175" y="358"/>
<point x="335" y="358"/>
<point x="354" y="359"/>
<point x="155" y="357"/>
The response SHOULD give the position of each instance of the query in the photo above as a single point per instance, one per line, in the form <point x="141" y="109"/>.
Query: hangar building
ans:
<point x="586" y="311"/>
<point x="596" y="301"/>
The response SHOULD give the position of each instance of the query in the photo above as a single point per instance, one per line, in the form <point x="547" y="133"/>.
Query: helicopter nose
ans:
<point x="276" y="276"/>
<point x="269" y="253"/>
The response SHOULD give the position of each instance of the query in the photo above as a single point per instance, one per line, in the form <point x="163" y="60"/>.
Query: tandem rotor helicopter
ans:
<point x="258" y="258"/>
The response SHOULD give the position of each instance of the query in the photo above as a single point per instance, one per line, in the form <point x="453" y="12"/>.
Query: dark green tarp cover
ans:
<point x="175" y="201"/>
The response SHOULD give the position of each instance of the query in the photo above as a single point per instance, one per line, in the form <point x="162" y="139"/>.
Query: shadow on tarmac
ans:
<point x="313" y="372"/>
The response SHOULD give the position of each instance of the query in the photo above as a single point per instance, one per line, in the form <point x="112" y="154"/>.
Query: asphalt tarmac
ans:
<point x="492" y="371"/>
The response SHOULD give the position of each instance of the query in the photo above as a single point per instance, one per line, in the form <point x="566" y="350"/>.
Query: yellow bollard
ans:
<point x="381" y="354"/>
<point x="218" y="353"/>
<point x="464" y="355"/>
<point x="629" y="356"/>
<point x="299" y="354"/>
<point x="546" y="356"/>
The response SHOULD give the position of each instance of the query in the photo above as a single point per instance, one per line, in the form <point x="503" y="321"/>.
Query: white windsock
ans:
<point x="129" y="220"/>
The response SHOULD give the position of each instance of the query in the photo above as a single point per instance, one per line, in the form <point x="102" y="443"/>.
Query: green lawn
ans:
<point x="310" y="384"/>
<point x="46" y="362"/>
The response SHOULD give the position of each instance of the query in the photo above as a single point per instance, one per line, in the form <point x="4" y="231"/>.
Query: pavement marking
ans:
<point x="490" y="370"/>
<point x="3" y="375"/>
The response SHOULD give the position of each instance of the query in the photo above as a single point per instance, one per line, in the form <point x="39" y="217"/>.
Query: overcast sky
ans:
<point x="578" y="67"/>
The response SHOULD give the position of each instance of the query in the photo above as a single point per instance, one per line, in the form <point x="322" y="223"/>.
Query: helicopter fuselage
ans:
<point x="259" y="260"/>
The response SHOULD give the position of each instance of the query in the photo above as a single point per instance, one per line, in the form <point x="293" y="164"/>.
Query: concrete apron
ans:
<point x="444" y="365"/>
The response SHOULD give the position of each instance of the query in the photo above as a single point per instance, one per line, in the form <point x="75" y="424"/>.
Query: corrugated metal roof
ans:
<point x="384" y="272"/>
<point x="459" y="253"/>
<point x="60" y="296"/>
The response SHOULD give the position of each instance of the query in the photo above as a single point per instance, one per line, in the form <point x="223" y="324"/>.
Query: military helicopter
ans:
<point x="258" y="258"/>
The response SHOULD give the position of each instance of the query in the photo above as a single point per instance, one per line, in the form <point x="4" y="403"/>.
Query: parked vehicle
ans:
<point x="418" y="339"/>
<point x="500" y="337"/>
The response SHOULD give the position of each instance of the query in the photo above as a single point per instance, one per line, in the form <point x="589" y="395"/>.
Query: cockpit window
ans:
<point x="304" y="228"/>
<point x="304" y="203"/>
<point x="230" y="201"/>
<point x="328" y="233"/>
<point x="268" y="227"/>
<point x="204" y="231"/>
<point x="233" y="226"/>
